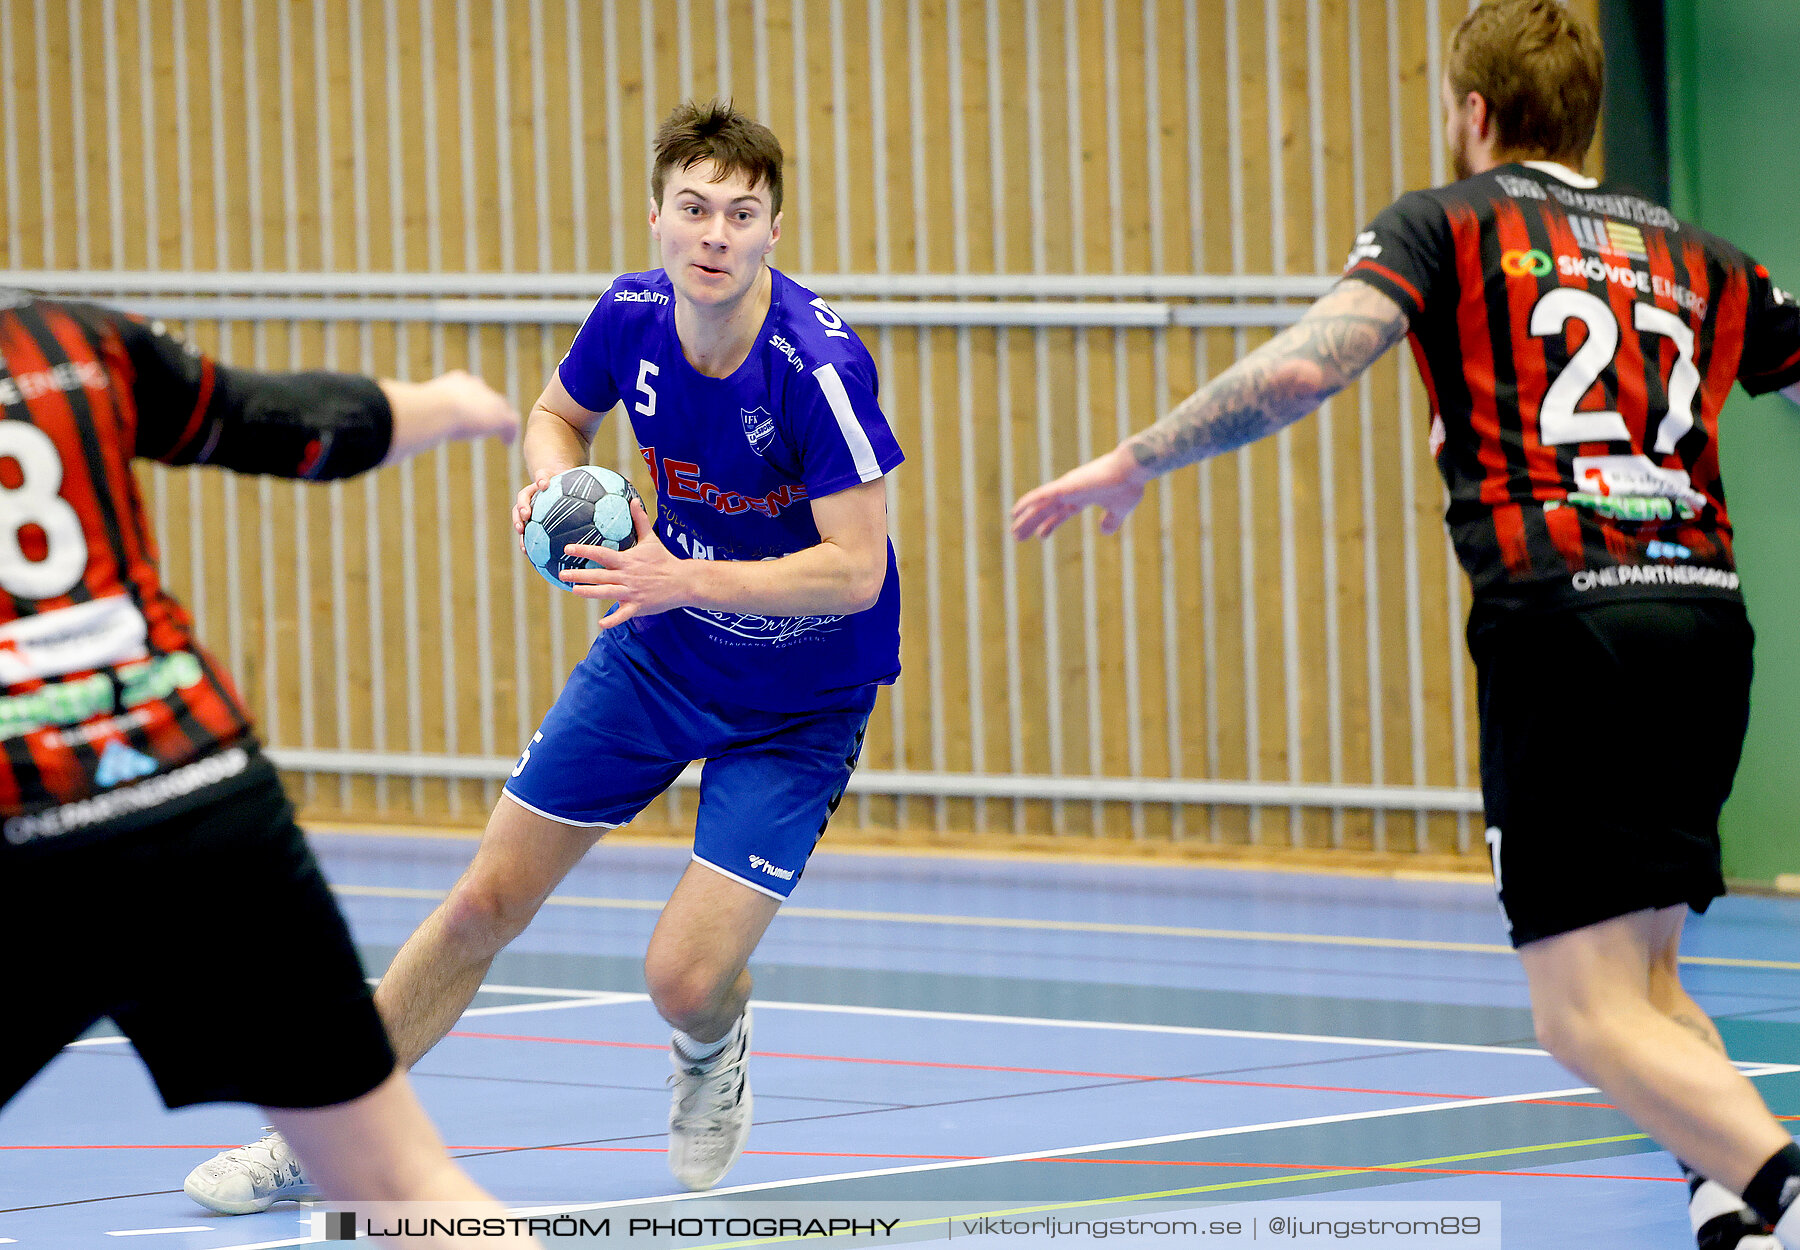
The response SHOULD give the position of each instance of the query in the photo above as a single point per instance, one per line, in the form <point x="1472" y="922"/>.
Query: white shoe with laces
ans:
<point x="709" y="1118"/>
<point x="249" y="1179"/>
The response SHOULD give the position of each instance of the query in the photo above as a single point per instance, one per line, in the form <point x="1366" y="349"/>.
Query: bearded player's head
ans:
<point x="1522" y="83"/>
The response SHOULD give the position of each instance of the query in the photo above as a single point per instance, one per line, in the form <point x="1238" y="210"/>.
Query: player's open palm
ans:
<point x="482" y="412"/>
<point x="1109" y="482"/>
<point x="643" y="580"/>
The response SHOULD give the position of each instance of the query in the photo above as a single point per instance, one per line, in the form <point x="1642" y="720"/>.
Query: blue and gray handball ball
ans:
<point x="587" y="505"/>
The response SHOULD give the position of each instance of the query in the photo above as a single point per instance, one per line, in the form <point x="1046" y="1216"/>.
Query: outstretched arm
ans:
<point x="454" y="406"/>
<point x="309" y="425"/>
<point x="1340" y="336"/>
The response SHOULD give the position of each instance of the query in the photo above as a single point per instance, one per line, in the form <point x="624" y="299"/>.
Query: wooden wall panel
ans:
<point x="1288" y="613"/>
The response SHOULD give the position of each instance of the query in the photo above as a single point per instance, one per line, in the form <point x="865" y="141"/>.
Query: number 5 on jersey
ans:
<point x="647" y="405"/>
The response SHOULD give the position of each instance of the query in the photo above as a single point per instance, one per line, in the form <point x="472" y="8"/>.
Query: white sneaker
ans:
<point x="249" y="1179"/>
<point x="709" y="1118"/>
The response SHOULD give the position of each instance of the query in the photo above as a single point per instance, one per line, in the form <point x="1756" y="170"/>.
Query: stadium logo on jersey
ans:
<point x="1532" y="264"/>
<point x="787" y="349"/>
<point x="759" y="428"/>
<point x="639" y="297"/>
<point x="1365" y="248"/>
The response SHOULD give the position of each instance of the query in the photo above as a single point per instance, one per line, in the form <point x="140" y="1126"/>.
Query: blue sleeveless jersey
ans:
<point x="736" y="462"/>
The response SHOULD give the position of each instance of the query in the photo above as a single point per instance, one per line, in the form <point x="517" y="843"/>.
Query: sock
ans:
<point x="699" y="1052"/>
<point x="1719" y="1218"/>
<point x="1772" y="1190"/>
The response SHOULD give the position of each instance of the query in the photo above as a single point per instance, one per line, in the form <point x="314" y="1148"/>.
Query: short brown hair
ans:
<point x="717" y="132"/>
<point x="1540" y="70"/>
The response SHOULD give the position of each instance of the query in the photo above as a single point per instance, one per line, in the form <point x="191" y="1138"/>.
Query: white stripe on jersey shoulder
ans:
<point x="861" y="453"/>
<point x="1563" y="174"/>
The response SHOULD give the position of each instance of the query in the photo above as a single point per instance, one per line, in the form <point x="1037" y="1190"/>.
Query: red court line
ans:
<point x="988" y="1067"/>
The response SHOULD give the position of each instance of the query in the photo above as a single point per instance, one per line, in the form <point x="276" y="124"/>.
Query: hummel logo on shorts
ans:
<point x="758" y="862"/>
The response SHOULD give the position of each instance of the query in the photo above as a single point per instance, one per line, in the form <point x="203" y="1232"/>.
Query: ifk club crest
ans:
<point x="759" y="428"/>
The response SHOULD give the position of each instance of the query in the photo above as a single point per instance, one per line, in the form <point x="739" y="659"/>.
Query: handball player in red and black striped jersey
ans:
<point x="1577" y="343"/>
<point x="145" y="842"/>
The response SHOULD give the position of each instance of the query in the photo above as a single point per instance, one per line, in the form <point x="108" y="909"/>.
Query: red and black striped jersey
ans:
<point x="1577" y="343"/>
<point x="111" y="710"/>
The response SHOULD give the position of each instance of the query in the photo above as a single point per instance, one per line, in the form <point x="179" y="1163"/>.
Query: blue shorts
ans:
<point x="624" y="728"/>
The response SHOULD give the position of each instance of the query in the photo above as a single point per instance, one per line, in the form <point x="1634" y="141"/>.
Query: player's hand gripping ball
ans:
<point x="588" y="505"/>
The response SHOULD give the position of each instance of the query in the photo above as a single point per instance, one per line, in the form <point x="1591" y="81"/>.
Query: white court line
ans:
<point x="1061" y="1152"/>
<point x="1183" y="1030"/>
<point x="586" y="998"/>
<point x="605" y="998"/>
<point x="561" y="1004"/>
<point x="1090" y="1148"/>
<point x="147" y="1232"/>
<point x="965" y="1017"/>
<point x="1025" y="1157"/>
<point x="545" y="991"/>
<point x="566" y="998"/>
<point x="570" y="998"/>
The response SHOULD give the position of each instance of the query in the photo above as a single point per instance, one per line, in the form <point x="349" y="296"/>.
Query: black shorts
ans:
<point x="1609" y="739"/>
<point x="211" y="939"/>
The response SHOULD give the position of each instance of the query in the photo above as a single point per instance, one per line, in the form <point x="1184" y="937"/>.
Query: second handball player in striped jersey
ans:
<point x="1577" y="343"/>
<point x="757" y="616"/>
<point x="150" y="865"/>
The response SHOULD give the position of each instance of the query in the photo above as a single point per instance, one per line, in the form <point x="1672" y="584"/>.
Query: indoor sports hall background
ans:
<point x="1048" y="219"/>
<point x="1269" y="657"/>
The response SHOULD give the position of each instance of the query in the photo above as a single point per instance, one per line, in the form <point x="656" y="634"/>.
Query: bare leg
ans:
<point x="381" y="1149"/>
<point x="522" y="857"/>
<point x="1667" y="994"/>
<point x="697" y="964"/>
<point x="1603" y="1012"/>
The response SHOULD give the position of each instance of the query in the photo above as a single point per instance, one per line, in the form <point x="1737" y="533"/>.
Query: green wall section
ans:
<point x="1734" y="147"/>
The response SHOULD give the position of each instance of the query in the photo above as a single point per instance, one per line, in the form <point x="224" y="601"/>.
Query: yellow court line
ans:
<point x="1074" y="926"/>
<point x="1226" y="1185"/>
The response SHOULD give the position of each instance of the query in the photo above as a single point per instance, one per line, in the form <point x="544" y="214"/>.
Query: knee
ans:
<point x="481" y="913"/>
<point x="687" y="996"/>
<point x="1574" y="1036"/>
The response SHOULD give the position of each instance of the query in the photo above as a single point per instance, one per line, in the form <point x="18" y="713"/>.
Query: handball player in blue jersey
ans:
<point x="756" y="616"/>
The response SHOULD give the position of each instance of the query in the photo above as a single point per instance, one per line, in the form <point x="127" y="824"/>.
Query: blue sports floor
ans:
<point x="978" y="1030"/>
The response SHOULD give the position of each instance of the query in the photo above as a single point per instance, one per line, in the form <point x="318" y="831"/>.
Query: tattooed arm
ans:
<point x="1339" y="337"/>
